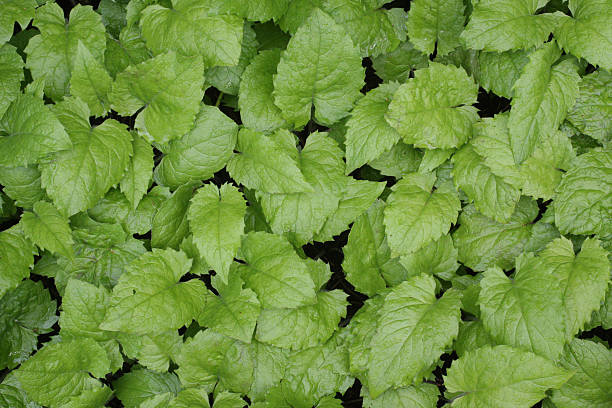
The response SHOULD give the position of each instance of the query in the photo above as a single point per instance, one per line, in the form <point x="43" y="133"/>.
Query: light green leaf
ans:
<point x="169" y="87"/>
<point x="16" y="258"/>
<point x="416" y="214"/>
<point x="414" y="396"/>
<point x="356" y="198"/>
<point x="526" y="311"/>
<point x="275" y="272"/>
<point x="29" y="132"/>
<point x="583" y="203"/>
<point x="229" y="400"/>
<point x="592" y="113"/>
<point x="401" y="160"/>
<point x="209" y="357"/>
<point x="63" y="370"/>
<point x="48" y="229"/>
<point x="170" y="224"/>
<point x="15" y="11"/>
<point x="588" y="34"/>
<point x="83" y="309"/>
<point x="301" y="215"/>
<point x="72" y="179"/>
<point x="320" y="69"/>
<point x="485" y="171"/>
<point x="437" y="258"/>
<point x="543" y="94"/>
<point x="483" y="242"/>
<point x="499" y="71"/>
<point x="233" y="312"/>
<point x="414" y="329"/>
<point x="472" y="335"/>
<point x="153" y="351"/>
<point x="52" y="53"/>
<point x="261" y="165"/>
<point x="216" y="219"/>
<point x="368" y="133"/>
<point x="269" y="368"/>
<point x="149" y="298"/>
<point x="435" y="24"/>
<point x="502" y="25"/>
<point x="263" y="10"/>
<point x="11" y="75"/>
<point x="367" y="257"/>
<point x="434" y="109"/>
<point x="502" y="377"/>
<point x="22" y="184"/>
<point x="90" y="81"/>
<point x="591" y="385"/>
<point x="255" y="99"/>
<point x="190" y="29"/>
<point x="399" y="63"/>
<point x="583" y="279"/>
<point x="128" y="49"/>
<point x="135" y="181"/>
<point x="25" y="312"/>
<point x="140" y="220"/>
<point x="201" y="152"/>
<point x="192" y="398"/>
<point x="138" y="385"/>
<point x="542" y="171"/>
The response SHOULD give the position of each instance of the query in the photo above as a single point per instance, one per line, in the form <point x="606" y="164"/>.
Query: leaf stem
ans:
<point x="219" y="99"/>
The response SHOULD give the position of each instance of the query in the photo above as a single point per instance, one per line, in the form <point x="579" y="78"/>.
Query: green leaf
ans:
<point x="216" y="219"/>
<point x="499" y="71"/>
<point x="255" y="99"/>
<point x="22" y="184"/>
<point x="437" y="258"/>
<point x="90" y="81"/>
<point x="11" y="75"/>
<point x="401" y="160"/>
<point x="48" y="229"/>
<point x="399" y="63"/>
<point x="419" y="396"/>
<point x="543" y="94"/>
<point x="60" y="371"/>
<point x="583" y="202"/>
<point x="592" y="113"/>
<point x="302" y="215"/>
<point x="356" y="198"/>
<point x="435" y="24"/>
<point x="168" y="114"/>
<point x="52" y="54"/>
<point x="434" y="109"/>
<point x="193" y="398"/>
<point x="320" y="69"/>
<point x="542" y="171"/>
<point x="16" y="258"/>
<point x="367" y="257"/>
<point x="588" y="34"/>
<point x="417" y="214"/>
<point x="15" y="11"/>
<point x="524" y="378"/>
<point x="482" y="242"/>
<point x="26" y="312"/>
<point x="591" y="385"/>
<point x="150" y="287"/>
<point x="260" y="164"/>
<point x="128" y="49"/>
<point x="201" y="152"/>
<point x="526" y="311"/>
<point x="229" y="400"/>
<point x="263" y="10"/>
<point x="209" y="357"/>
<point x="485" y="171"/>
<point x="269" y="368"/>
<point x="583" y="279"/>
<point x="414" y="329"/>
<point x="135" y="181"/>
<point x="153" y="351"/>
<point x="502" y="25"/>
<point x="275" y="272"/>
<point x="29" y="132"/>
<point x="170" y="224"/>
<point x="368" y="133"/>
<point x="72" y="178"/>
<point x="233" y="312"/>
<point x="472" y="335"/>
<point x="135" y="387"/>
<point x="190" y="29"/>
<point x="83" y="309"/>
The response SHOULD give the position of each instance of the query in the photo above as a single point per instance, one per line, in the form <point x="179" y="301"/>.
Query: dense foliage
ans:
<point x="305" y="203"/>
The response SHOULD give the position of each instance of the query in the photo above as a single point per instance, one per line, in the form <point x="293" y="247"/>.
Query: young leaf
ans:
<point x="433" y="109"/>
<point x="48" y="229"/>
<point x="435" y="24"/>
<point x="216" y="219"/>
<point x="320" y="69"/>
<point x="502" y="376"/>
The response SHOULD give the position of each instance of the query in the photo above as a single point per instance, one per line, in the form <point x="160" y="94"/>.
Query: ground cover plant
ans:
<point x="305" y="203"/>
